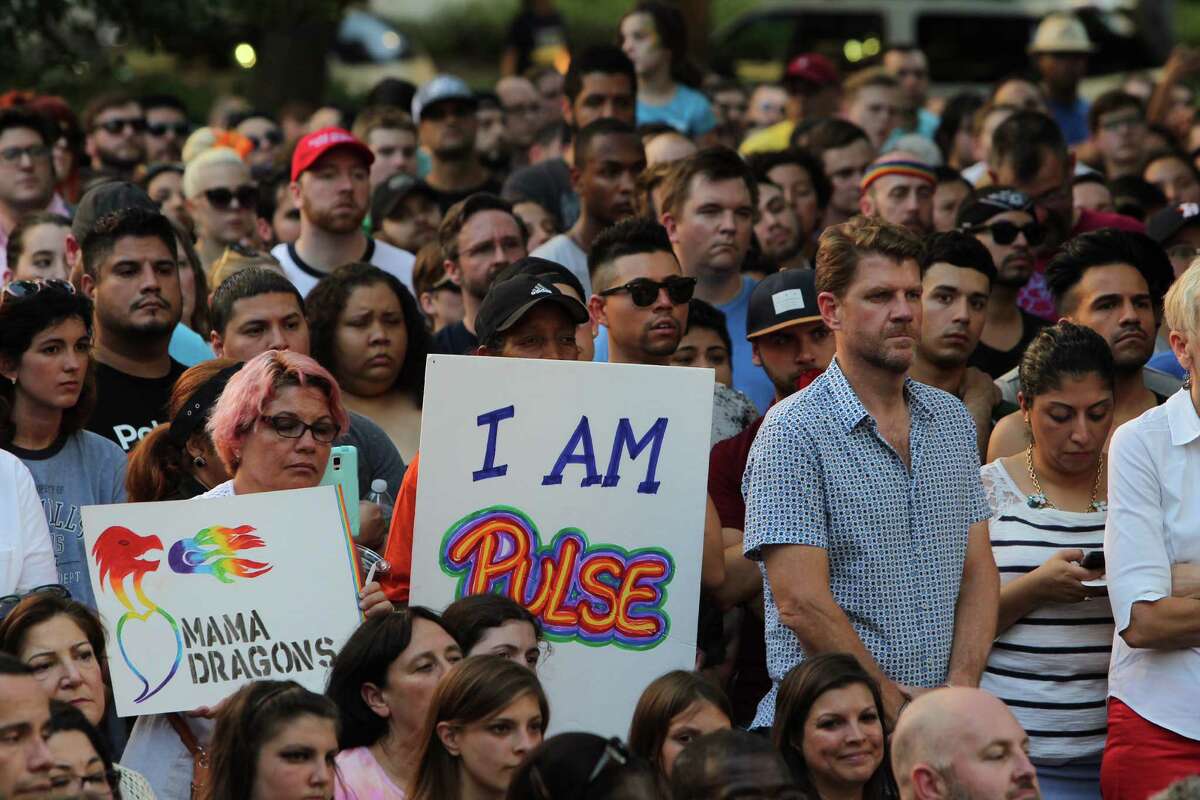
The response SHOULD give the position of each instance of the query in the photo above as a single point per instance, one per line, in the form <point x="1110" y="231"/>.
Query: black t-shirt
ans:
<point x="997" y="362"/>
<point x="447" y="199"/>
<point x="455" y="340"/>
<point x="127" y="408"/>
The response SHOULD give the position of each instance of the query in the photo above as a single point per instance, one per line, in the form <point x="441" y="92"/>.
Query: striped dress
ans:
<point x="1051" y="667"/>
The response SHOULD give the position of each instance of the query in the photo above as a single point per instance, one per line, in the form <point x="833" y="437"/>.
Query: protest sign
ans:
<point x="577" y="489"/>
<point x="203" y="596"/>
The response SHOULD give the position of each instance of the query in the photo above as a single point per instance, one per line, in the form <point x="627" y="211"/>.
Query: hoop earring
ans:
<point x="199" y="463"/>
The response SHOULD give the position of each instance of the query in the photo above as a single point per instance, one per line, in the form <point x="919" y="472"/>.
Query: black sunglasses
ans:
<point x="447" y="109"/>
<point x="1006" y="232"/>
<point x="9" y="601"/>
<point x="644" y="291"/>
<point x="115" y="126"/>
<point x="22" y="290"/>
<point x="270" y="137"/>
<point x="180" y="129"/>
<point x="292" y="214"/>
<point x="221" y="199"/>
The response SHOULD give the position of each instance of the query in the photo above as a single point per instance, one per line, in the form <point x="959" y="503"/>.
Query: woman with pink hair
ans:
<point x="272" y="428"/>
<point x="275" y="423"/>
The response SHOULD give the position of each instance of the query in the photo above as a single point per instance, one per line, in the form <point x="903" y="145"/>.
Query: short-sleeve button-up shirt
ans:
<point x="820" y="474"/>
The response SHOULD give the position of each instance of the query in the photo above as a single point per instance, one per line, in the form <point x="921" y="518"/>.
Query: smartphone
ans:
<point x="1093" y="560"/>
<point x="342" y="472"/>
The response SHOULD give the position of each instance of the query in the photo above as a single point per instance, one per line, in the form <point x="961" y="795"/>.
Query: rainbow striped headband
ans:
<point x="912" y="169"/>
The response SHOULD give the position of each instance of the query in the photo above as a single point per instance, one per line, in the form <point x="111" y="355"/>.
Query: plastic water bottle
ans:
<point x="379" y="496"/>
<point x="369" y="560"/>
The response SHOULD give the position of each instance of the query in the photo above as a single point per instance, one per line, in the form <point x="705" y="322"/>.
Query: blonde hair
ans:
<point x="232" y="262"/>
<point x="209" y="158"/>
<point x="1181" y="306"/>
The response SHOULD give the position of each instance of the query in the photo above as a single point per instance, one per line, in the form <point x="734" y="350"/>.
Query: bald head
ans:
<point x="961" y="744"/>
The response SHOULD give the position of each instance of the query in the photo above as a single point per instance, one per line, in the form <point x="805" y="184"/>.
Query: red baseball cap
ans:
<point x="814" y="68"/>
<point x="318" y="143"/>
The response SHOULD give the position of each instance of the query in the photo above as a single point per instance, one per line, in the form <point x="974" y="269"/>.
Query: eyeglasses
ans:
<point x="1006" y="232"/>
<point x="115" y="126"/>
<point x="222" y="198"/>
<point x="443" y="110"/>
<point x="36" y="152"/>
<point x="293" y="214"/>
<point x="273" y="138"/>
<point x="180" y="129"/>
<point x="643" y="291"/>
<point x="290" y="427"/>
<point x="9" y="601"/>
<point x="94" y="784"/>
<point x="23" y="290"/>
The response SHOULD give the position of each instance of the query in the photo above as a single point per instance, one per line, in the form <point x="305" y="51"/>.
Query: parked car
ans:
<point x="966" y="41"/>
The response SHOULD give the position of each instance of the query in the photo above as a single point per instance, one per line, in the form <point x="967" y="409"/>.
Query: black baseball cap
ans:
<point x="542" y="268"/>
<point x="107" y="198"/>
<point x="1167" y="222"/>
<point x="510" y="300"/>
<point x="388" y="195"/>
<point x="983" y="204"/>
<point x="781" y="300"/>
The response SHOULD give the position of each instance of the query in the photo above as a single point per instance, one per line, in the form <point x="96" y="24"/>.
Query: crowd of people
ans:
<point x="948" y="548"/>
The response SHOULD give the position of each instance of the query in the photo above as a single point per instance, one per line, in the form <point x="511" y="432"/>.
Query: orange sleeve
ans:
<point x="398" y="550"/>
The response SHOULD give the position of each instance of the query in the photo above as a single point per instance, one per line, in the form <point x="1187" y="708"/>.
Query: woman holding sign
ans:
<point x="272" y="429"/>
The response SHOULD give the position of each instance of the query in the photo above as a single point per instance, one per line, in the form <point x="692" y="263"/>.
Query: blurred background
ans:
<point x="334" y="51"/>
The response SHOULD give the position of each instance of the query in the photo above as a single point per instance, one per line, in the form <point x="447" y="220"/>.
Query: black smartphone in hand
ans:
<point x="1093" y="560"/>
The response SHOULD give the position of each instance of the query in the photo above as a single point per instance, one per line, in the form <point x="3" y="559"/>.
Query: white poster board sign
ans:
<point x="202" y="596"/>
<point x="577" y="489"/>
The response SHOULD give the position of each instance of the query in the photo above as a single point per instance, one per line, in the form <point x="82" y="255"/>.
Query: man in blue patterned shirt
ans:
<point x="863" y="499"/>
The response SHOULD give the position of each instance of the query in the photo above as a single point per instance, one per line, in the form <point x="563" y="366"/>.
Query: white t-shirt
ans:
<point x="387" y="257"/>
<point x="26" y="557"/>
<point x="563" y="250"/>
<point x="1153" y="523"/>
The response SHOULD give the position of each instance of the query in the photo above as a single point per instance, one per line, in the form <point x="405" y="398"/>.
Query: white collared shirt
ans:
<point x="1153" y="523"/>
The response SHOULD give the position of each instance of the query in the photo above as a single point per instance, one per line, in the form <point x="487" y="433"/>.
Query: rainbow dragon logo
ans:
<point x="119" y="553"/>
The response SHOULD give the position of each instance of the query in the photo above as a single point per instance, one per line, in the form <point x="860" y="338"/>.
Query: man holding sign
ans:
<point x="521" y="317"/>
<point x="576" y="490"/>
<point x="863" y="498"/>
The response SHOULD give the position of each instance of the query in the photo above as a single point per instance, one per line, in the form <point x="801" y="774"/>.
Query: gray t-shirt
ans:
<point x="83" y="469"/>
<point x="563" y="250"/>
